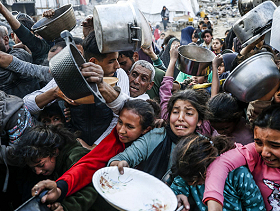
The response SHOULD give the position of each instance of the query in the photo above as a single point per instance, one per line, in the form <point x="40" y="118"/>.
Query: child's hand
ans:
<point x="174" y="51"/>
<point x="53" y="194"/>
<point x="120" y="165"/>
<point x="217" y="61"/>
<point x="56" y="206"/>
<point x="183" y="200"/>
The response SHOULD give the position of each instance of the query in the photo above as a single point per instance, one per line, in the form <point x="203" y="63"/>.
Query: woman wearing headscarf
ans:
<point x="186" y="35"/>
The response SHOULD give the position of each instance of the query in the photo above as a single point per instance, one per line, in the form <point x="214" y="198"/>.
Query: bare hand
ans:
<point x="93" y="73"/>
<point x="217" y="61"/>
<point x="53" y="194"/>
<point x="48" y="13"/>
<point x="150" y="52"/>
<point x="87" y="25"/>
<point x="85" y="145"/>
<point x="67" y="113"/>
<point x="56" y="206"/>
<point x="174" y="51"/>
<point x="183" y="200"/>
<point x="63" y="97"/>
<point x="120" y="165"/>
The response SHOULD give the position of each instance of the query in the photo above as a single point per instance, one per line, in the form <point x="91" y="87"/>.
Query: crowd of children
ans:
<point x="217" y="151"/>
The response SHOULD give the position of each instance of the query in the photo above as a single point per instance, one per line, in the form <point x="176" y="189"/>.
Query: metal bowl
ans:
<point x="64" y="68"/>
<point x="49" y="28"/>
<point x="194" y="59"/>
<point x="253" y="78"/>
<point x="255" y="23"/>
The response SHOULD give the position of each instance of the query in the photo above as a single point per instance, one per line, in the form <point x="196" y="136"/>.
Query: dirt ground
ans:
<point x="219" y="29"/>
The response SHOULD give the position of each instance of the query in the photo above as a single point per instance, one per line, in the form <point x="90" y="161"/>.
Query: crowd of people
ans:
<point x="213" y="150"/>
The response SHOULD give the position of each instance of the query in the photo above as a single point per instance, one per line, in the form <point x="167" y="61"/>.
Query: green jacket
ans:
<point x="84" y="199"/>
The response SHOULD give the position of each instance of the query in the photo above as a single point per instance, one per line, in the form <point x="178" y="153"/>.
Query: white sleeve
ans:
<point x="29" y="100"/>
<point x="123" y="82"/>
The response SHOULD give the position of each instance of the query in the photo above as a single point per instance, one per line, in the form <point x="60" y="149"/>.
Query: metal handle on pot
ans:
<point x="67" y="36"/>
<point x="133" y="33"/>
<point x="40" y="29"/>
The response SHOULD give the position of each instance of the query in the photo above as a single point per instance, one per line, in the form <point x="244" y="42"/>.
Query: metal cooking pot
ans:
<point x="245" y="6"/>
<point x="64" y="68"/>
<point x="253" y="78"/>
<point x="120" y="27"/>
<point x="34" y="204"/>
<point x="194" y="59"/>
<point x="255" y="23"/>
<point x="49" y="28"/>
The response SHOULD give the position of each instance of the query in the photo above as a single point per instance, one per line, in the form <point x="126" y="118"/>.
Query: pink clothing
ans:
<point x="267" y="178"/>
<point x="165" y="94"/>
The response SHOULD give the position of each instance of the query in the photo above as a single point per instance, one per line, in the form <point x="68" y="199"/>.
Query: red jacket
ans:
<point x="80" y="174"/>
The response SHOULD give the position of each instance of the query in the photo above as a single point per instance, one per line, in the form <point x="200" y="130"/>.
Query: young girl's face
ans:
<point x="129" y="127"/>
<point x="216" y="45"/>
<point x="183" y="118"/>
<point x="44" y="166"/>
<point x="267" y="143"/>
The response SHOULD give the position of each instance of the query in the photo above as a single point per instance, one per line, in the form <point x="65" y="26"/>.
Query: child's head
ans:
<point x="193" y="154"/>
<point x="195" y="37"/>
<point x="267" y="136"/>
<point x="207" y="36"/>
<point x="224" y="113"/>
<point x="162" y="35"/>
<point x="217" y="45"/>
<point x="52" y="115"/>
<point x="136" y="118"/>
<point x="40" y="145"/>
<point x="186" y="110"/>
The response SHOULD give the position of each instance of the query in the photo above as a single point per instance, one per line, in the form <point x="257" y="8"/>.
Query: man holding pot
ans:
<point x="94" y="121"/>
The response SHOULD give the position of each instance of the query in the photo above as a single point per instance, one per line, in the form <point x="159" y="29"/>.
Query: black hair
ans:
<point x="206" y="31"/>
<point x="91" y="48"/>
<point x="197" y="98"/>
<point x="50" y="111"/>
<point x="269" y="118"/>
<point x="223" y="108"/>
<point x="194" y="153"/>
<point x="128" y="54"/>
<point x="227" y="31"/>
<point x="61" y="44"/>
<point x="40" y="142"/>
<point x="201" y="22"/>
<point x="162" y="33"/>
<point x="166" y="39"/>
<point x="26" y="22"/>
<point x="195" y="34"/>
<point x="205" y="18"/>
<point x="144" y="110"/>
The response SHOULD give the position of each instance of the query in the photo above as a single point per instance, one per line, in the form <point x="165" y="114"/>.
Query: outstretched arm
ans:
<point x="218" y="171"/>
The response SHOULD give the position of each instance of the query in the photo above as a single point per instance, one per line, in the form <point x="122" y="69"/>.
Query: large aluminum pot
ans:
<point x="255" y="23"/>
<point x="64" y="68"/>
<point x="120" y="27"/>
<point x="253" y="78"/>
<point x="50" y="28"/>
<point x="194" y="59"/>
